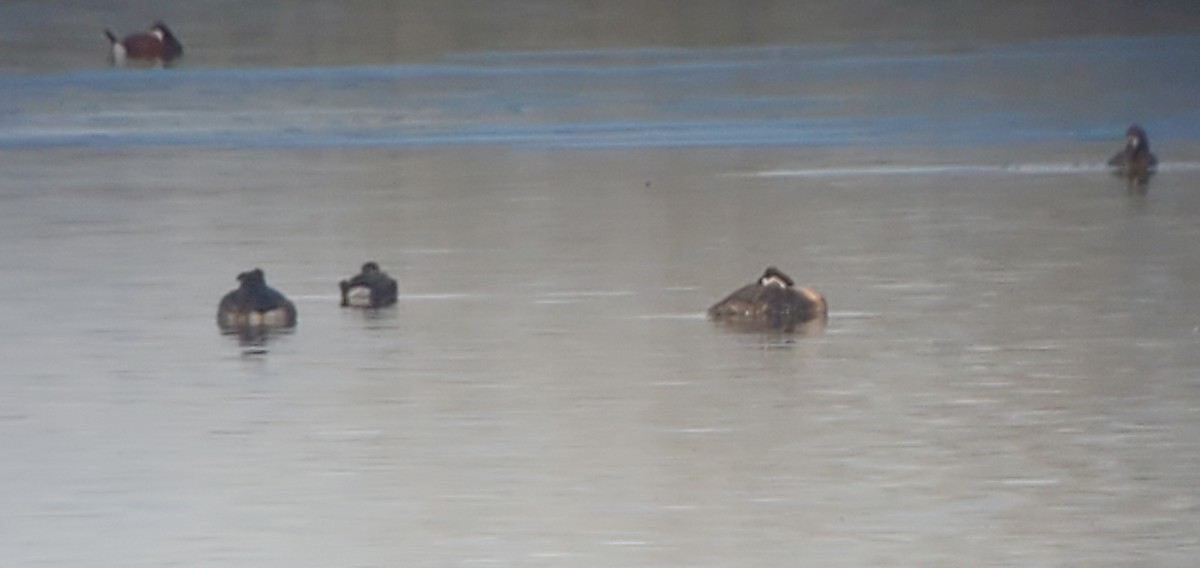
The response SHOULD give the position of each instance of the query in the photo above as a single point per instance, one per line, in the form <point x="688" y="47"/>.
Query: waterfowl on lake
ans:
<point x="254" y="305"/>
<point x="157" y="45"/>
<point x="1134" y="162"/>
<point x="773" y="302"/>
<point x="371" y="288"/>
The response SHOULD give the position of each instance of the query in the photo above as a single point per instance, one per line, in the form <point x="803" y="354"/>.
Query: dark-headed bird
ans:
<point x="254" y="306"/>
<point x="1134" y="162"/>
<point x="371" y="288"/>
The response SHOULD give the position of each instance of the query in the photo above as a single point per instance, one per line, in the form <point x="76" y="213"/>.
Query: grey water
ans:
<point x="1010" y="375"/>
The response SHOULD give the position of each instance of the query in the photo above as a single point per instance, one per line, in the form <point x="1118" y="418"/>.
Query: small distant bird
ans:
<point x="254" y="306"/>
<point x="773" y="302"/>
<point x="158" y="45"/>
<point x="371" y="288"/>
<point x="1134" y="162"/>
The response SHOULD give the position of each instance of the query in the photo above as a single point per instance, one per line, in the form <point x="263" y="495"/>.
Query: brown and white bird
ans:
<point x="773" y="302"/>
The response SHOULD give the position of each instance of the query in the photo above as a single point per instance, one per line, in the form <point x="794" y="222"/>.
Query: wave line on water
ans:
<point x="443" y="296"/>
<point x="590" y="294"/>
<point x="671" y="316"/>
<point x="406" y="297"/>
<point x="941" y="169"/>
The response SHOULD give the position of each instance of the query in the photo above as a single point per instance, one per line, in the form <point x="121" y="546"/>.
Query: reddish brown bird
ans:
<point x="158" y="45"/>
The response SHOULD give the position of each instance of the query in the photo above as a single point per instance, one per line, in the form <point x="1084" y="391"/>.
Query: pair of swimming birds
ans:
<point x="254" y="305"/>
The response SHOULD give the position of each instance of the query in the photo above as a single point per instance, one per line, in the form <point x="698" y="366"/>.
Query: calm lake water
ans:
<point x="1010" y="375"/>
